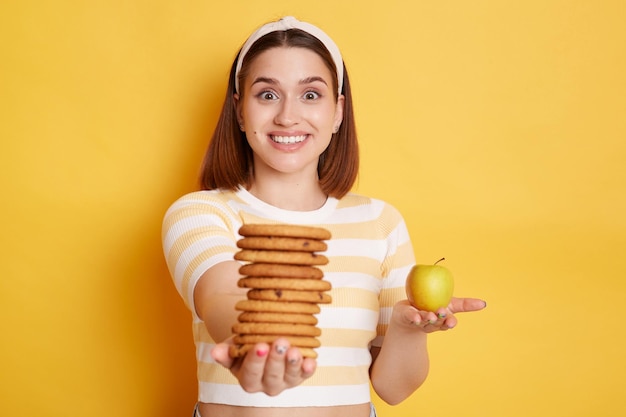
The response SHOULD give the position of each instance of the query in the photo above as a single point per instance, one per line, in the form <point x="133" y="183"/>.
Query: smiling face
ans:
<point x="288" y="110"/>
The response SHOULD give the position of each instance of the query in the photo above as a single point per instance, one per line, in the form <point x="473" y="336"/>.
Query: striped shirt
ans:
<point x="370" y="255"/>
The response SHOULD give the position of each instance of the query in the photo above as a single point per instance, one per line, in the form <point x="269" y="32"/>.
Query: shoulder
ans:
<point x="372" y="214"/>
<point x="358" y="202"/>
<point x="201" y="203"/>
<point x="204" y="200"/>
<point x="205" y="197"/>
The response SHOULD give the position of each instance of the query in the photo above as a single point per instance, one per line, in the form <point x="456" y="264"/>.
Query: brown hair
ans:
<point x="228" y="162"/>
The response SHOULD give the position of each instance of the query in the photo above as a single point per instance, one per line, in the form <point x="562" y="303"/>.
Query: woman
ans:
<point x="285" y="151"/>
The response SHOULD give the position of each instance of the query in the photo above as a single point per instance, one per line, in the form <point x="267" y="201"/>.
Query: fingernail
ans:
<point x="442" y="315"/>
<point x="292" y="361"/>
<point x="261" y="352"/>
<point x="280" y="349"/>
<point x="432" y="321"/>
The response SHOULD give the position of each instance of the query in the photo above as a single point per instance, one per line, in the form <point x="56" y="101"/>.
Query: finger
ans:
<point x="428" y="327"/>
<point x="445" y="320"/>
<point x="431" y="318"/>
<point x="412" y="315"/>
<point x="449" y="323"/>
<point x="220" y="355"/>
<point x="424" y="318"/>
<point x="293" y="367"/>
<point x="274" y="373"/>
<point x="298" y="368"/>
<point x="464" y="305"/>
<point x="308" y="367"/>
<point x="442" y="313"/>
<point x="250" y="374"/>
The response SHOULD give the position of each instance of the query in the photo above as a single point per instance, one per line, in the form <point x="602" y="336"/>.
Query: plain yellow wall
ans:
<point x="497" y="128"/>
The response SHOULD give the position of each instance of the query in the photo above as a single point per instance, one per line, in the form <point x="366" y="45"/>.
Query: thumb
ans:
<point x="464" y="305"/>
<point x="219" y="353"/>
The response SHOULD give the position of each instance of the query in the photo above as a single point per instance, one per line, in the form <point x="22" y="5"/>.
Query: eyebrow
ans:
<point x="313" y="79"/>
<point x="274" y="81"/>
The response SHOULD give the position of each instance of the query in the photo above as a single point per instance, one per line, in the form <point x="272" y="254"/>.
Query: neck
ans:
<point x="290" y="194"/>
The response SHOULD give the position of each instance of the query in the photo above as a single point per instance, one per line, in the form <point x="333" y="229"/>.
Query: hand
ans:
<point x="444" y="318"/>
<point x="267" y="368"/>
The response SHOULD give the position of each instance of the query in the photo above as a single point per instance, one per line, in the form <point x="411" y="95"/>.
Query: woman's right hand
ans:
<point x="266" y="368"/>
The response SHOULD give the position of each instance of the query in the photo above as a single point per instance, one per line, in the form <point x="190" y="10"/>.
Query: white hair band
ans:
<point x="290" y="22"/>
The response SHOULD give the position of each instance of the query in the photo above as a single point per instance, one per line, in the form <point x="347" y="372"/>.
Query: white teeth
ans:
<point x="288" y="139"/>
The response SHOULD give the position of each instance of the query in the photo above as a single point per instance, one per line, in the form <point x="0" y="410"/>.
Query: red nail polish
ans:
<point x="261" y="352"/>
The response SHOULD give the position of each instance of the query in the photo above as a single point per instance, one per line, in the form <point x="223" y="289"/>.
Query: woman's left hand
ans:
<point x="442" y="319"/>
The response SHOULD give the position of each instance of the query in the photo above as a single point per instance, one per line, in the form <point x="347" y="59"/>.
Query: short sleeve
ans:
<point x="199" y="231"/>
<point x="396" y="267"/>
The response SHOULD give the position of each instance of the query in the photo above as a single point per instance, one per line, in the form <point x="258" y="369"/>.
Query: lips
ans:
<point x="289" y="139"/>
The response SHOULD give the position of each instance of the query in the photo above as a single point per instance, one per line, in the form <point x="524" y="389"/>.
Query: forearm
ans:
<point x="402" y="364"/>
<point x="215" y="297"/>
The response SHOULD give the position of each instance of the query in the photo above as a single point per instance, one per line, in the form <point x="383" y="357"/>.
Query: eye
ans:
<point x="267" y="95"/>
<point x="311" y="95"/>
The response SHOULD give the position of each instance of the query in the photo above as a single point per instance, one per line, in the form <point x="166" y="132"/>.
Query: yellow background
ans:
<point x="497" y="127"/>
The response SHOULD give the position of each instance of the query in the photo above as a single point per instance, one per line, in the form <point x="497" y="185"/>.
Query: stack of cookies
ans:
<point x="285" y="285"/>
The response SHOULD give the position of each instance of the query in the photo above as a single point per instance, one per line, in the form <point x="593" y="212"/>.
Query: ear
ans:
<point x="339" y="112"/>
<point x="238" y="111"/>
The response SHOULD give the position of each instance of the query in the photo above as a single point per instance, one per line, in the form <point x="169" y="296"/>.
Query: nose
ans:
<point x="288" y="113"/>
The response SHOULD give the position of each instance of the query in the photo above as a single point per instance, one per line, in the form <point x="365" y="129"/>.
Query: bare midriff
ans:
<point x="221" y="410"/>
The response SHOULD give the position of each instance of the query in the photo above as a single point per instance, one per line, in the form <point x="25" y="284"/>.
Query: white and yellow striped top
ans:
<point x="370" y="255"/>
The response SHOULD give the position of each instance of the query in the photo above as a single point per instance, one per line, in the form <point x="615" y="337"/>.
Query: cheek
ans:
<point x="325" y="119"/>
<point x="256" y="115"/>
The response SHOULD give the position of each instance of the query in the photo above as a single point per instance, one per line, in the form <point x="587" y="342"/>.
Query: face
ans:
<point x="288" y="110"/>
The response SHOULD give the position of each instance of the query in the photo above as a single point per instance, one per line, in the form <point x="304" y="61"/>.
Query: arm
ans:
<point x="401" y="365"/>
<point x="198" y="230"/>
<point x="215" y="296"/>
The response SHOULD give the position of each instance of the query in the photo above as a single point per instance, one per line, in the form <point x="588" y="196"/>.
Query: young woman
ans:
<point x="285" y="151"/>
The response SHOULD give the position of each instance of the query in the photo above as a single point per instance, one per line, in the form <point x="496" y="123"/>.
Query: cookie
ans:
<point x="285" y="284"/>
<point x="276" y="329"/>
<point x="284" y="230"/>
<point x="237" y="351"/>
<point x="280" y="267"/>
<point x="281" y="271"/>
<point x="268" y="317"/>
<point x="299" y="341"/>
<point x="277" y="306"/>
<point x="290" y="296"/>
<point x="281" y="257"/>
<point x="282" y="243"/>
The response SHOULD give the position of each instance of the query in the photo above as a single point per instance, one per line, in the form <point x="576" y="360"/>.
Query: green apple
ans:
<point x="429" y="287"/>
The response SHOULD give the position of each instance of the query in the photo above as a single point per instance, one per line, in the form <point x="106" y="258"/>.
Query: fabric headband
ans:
<point x="290" y="22"/>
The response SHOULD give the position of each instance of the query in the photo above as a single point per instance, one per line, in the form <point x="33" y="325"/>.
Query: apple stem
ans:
<point x="442" y="259"/>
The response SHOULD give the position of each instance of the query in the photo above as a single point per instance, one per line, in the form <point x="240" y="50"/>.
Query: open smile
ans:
<point x="289" y="139"/>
